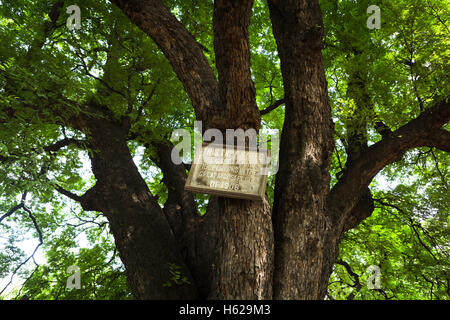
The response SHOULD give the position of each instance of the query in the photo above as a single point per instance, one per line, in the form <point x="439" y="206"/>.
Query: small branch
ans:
<point x="356" y="283"/>
<point x="36" y="226"/>
<point x="15" y="208"/>
<point x="272" y="107"/>
<point x="338" y="158"/>
<point x="412" y="223"/>
<point x="50" y="148"/>
<point x="145" y="103"/>
<point x="432" y="286"/>
<point x="436" y="15"/>
<point x="102" y="81"/>
<point x="436" y="163"/>
<point x="64" y="143"/>
<point x="67" y="193"/>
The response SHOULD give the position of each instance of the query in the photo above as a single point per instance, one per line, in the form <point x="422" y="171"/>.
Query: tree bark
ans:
<point x="305" y="238"/>
<point x="231" y="45"/>
<point x="143" y="237"/>
<point x="196" y="235"/>
<point x="244" y="254"/>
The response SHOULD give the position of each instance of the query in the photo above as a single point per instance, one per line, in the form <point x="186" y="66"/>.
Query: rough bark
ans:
<point x="305" y="238"/>
<point x="243" y="265"/>
<point x="143" y="237"/>
<point x="196" y="235"/>
<point x="231" y="45"/>
<point x="244" y="254"/>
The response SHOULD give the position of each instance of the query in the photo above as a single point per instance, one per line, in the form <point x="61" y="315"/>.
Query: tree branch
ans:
<point x="64" y="143"/>
<point x="50" y="148"/>
<point x="38" y="230"/>
<point x="425" y="130"/>
<point x="356" y="283"/>
<point x="181" y="49"/>
<point x="15" y="208"/>
<point x="91" y="200"/>
<point x="232" y="48"/>
<point x="411" y="222"/>
<point x="272" y="107"/>
<point x="67" y="193"/>
<point x="78" y="53"/>
<point x="36" y="226"/>
<point x="145" y="103"/>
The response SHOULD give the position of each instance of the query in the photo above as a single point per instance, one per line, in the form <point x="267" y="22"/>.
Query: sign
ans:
<point x="228" y="171"/>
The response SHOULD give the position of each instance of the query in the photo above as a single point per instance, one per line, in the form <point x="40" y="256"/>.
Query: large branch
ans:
<point x="180" y="48"/>
<point x="423" y="131"/>
<point x="232" y="48"/>
<point x="58" y="145"/>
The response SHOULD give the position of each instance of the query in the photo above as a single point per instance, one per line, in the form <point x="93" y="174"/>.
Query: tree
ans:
<point x="101" y="88"/>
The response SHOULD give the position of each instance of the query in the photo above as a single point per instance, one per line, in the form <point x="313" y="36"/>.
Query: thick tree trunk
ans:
<point x="143" y="237"/>
<point x="306" y="242"/>
<point x="244" y="254"/>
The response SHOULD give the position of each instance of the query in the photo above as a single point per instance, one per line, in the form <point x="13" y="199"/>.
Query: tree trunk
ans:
<point x="143" y="237"/>
<point x="244" y="254"/>
<point x="306" y="242"/>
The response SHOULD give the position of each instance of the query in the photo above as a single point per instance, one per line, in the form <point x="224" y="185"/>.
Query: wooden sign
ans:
<point x="229" y="171"/>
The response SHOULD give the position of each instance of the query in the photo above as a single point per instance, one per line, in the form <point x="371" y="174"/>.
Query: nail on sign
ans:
<point x="227" y="171"/>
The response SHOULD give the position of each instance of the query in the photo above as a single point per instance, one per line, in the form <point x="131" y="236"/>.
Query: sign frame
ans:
<point x="259" y="195"/>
